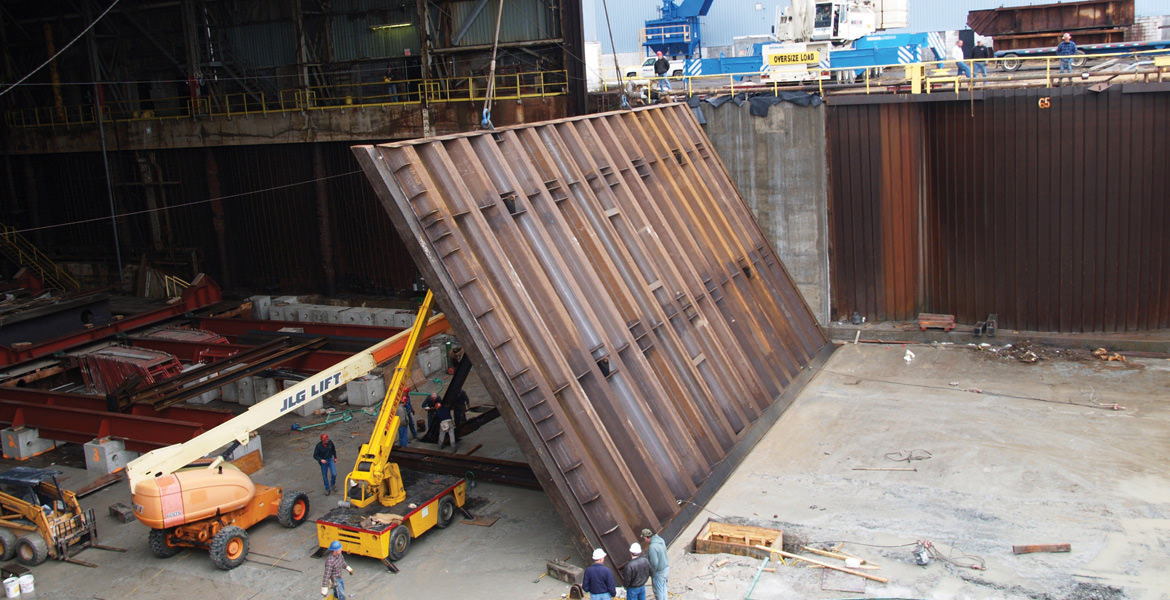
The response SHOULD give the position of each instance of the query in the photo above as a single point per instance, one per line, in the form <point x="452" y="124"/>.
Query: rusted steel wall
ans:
<point x="1063" y="16"/>
<point x="633" y="320"/>
<point x="875" y="172"/>
<point x="1053" y="218"/>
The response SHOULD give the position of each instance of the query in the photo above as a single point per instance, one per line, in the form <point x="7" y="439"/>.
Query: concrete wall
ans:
<point x="780" y="166"/>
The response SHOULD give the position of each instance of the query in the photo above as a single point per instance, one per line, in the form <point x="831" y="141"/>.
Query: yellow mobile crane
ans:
<point x="385" y="507"/>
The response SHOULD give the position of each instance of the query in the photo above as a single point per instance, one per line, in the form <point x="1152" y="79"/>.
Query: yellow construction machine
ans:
<point x="385" y="507"/>
<point x="40" y="519"/>
<point x="191" y="502"/>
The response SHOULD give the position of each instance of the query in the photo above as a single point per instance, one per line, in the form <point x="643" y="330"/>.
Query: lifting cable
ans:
<point x="621" y="84"/>
<point x="486" y="123"/>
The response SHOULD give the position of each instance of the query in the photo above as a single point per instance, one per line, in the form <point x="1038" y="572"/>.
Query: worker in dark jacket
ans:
<point x="636" y="574"/>
<point x="661" y="66"/>
<point x="326" y="455"/>
<point x="1065" y="51"/>
<point x="978" y="55"/>
<point x="598" y="581"/>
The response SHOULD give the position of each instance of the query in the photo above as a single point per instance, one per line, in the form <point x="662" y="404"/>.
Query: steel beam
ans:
<point x="202" y="293"/>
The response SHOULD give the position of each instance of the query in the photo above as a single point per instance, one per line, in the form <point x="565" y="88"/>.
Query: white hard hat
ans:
<point x="635" y="548"/>
<point x="598" y="554"/>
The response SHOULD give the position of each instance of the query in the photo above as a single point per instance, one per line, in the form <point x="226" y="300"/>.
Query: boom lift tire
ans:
<point x="157" y="538"/>
<point x="31" y="550"/>
<point x="446" y="511"/>
<point x="7" y="544"/>
<point x="399" y="543"/>
<point x="229" y="548"/>
<point x="294" y="509"/>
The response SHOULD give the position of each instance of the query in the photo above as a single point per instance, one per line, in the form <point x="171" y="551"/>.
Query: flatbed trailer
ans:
<point x="431" y="501"/>
<point x="1010" y="59"/>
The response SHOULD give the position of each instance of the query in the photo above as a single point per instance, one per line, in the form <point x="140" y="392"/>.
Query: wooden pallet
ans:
<point x="742" y="540"/>
<point x="945" y="322"/>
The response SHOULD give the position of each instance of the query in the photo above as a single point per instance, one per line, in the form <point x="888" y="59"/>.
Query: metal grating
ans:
<point x="634" y="323"/>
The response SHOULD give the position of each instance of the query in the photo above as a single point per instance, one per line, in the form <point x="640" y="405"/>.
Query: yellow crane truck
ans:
<point x="191" y="502"/>
<point x="386" y="507"/>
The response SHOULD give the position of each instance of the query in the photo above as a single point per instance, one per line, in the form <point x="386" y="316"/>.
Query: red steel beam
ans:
<point x="203" y="292"/>
<point x="208" y="417"/>
<point x="238" y="327"/>
<point x="315" y="361"/>
<point x="79" y="425"/>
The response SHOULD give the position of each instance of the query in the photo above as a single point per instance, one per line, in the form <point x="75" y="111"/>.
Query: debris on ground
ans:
<point x="1107" y="356"/>
<point x="1025" y="352"/>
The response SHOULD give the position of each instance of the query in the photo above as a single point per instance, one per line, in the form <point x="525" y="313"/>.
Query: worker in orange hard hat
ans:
<point x="326" y="455"/>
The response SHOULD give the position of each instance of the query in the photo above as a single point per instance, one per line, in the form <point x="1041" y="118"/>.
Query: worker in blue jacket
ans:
<point x="1067" y="48"/>
<point x="598" y="581"/>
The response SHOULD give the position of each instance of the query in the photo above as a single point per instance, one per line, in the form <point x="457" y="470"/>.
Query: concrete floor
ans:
<point x="1019" y="454"/>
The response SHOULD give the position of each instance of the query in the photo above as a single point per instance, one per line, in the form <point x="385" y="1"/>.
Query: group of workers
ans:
<point x="651" y="566"/>
<point x="1066" y="50"/>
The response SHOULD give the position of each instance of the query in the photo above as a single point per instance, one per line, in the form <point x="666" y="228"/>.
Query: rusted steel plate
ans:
<point x="634" y="322"/>
<point x="1063" y="16"/>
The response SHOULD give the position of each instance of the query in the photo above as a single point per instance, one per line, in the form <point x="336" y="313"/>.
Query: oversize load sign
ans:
<point x="794" y="58"/>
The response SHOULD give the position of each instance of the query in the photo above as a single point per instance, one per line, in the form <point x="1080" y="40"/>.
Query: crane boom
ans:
<point x="167" y="460"/>
<point x="374" y="477"/>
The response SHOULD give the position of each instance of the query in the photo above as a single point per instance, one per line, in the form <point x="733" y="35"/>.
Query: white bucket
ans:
<point x="26" y="583"/>
<point x="12" y="587"/>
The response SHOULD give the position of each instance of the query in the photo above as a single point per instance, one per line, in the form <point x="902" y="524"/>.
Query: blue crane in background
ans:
<point x="676" y="33"/>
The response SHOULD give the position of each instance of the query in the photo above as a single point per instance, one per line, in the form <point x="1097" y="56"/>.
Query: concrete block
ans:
<point x="261" y="307"/>
<point x="357" y="316"/>
<point x="241" y="450"/>
<point x="306" y="409"/>
<point x="230" y="392"/>
<point x="245" y="391"/>
<point x="383" y="317"/>
<point x="366" y="390"/>
<point x="334" y="313"/>
<point x="106" y="456"/>
<point x="403" y="319"/>
<point x="22" y="443"/>
<point x="320" y="313"/>
<point x="284" y="312"/>
<point x="431" y="361"/>
<point x="122" y="512"/>
<point x="565" y="572"/>
<point x="263" y="388"/>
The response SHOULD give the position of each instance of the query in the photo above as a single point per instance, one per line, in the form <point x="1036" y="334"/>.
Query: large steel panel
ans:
<point x="636" y="328"/>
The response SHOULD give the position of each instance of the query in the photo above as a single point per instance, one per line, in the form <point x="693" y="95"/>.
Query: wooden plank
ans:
<point x="250" y="462"/>
<point x="825" y="565"/>
<point x="1028" y="549"/>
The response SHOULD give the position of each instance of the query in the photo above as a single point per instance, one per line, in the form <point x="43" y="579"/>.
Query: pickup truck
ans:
<point x="677" y="68"/>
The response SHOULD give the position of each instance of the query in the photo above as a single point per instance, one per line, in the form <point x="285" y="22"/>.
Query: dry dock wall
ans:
<point x="779" y="164"/>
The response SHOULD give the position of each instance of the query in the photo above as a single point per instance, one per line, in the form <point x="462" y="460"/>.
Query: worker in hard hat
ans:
<point x="636" y="573"/>
<point x="598" y="580"/>
<point x="334" y="564"/>
<point x="326" y="455"/>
